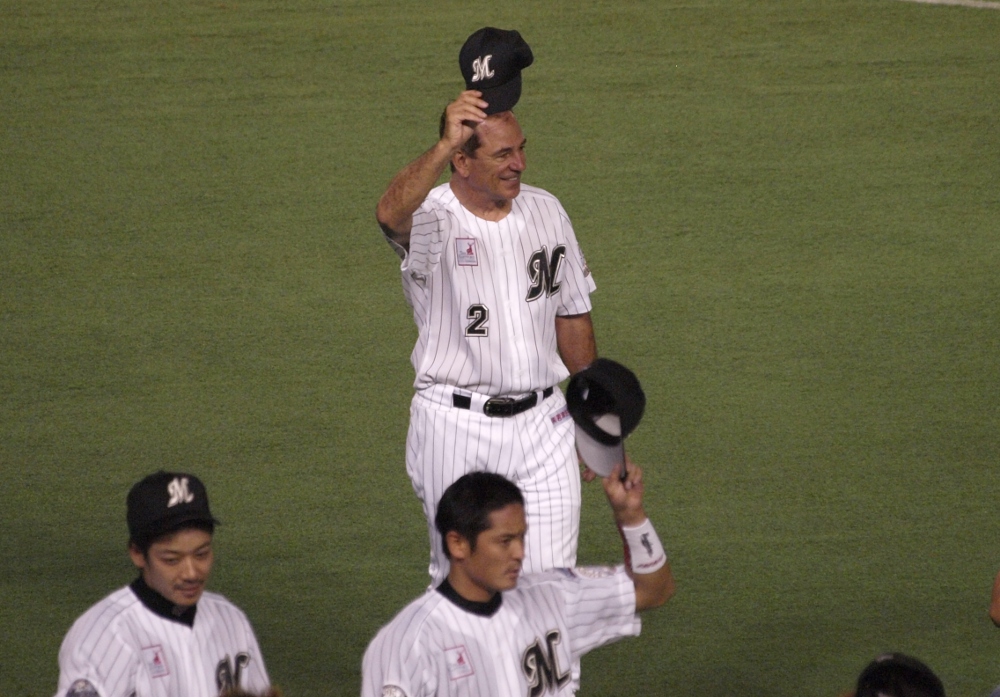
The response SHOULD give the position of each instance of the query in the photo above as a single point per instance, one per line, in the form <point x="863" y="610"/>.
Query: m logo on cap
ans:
<point x="178" y="490"/>
<point x="481" y="68"/>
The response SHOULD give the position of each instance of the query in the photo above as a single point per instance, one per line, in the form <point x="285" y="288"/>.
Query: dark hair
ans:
<point x="466" y="505"/>
<point x="143" y="543"/>
<point x="469" y="147"/>
<point x="898" y="675"/>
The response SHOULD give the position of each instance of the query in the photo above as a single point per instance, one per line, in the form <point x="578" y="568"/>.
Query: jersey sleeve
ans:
<point x="395" y="666"/>
<point x="600" y="607"/>
<point x="430" y="227"/>
<point x="577" y="280"/>
<point x="95" y="665"/>
<point x="256" y="678"/>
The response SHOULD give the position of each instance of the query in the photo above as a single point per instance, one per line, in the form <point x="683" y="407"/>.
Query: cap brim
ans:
<point x="599" y="457"/>
<point x="503" y="97"/>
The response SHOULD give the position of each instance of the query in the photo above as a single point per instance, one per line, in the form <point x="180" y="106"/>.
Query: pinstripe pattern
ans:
<point x="442" y="280"/>
<point x="519" y="353"/>
<point x="534" y="449"/>
<point x="419" y="650"/>
<point x="122" y="648"/>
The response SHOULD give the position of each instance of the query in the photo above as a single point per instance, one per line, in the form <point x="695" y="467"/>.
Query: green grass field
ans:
<point x="791" y="209"/>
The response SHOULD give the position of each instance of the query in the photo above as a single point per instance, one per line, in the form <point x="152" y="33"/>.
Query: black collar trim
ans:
<point x="487" y="609"/>
<point x="159" y="605"/>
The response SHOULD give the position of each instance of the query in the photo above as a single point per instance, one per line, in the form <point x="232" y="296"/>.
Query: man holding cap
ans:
<point x="163" y="635"/>
<point x="500" y="293"/>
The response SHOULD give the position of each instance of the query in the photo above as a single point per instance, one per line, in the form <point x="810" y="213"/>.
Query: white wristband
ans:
<point x="643" y="550"/>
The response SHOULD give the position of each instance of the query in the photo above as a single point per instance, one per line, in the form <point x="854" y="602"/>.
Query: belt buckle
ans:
<point x="499" y="406"/>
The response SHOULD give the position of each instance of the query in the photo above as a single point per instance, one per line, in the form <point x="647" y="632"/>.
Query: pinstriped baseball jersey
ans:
<point x="521" y="645"/>
<point x="485" y="294"/>
<point x="120" y="647"/>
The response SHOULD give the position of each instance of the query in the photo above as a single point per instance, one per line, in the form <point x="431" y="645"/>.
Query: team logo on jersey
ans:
<point x="156" y="662"/>
<point x="465" y="250"/>
<point x="457" y="660"/>
<point x="543" y="272"/>
<point x="178" y="490"/>
<point x="228" y="673"/>
<point x="541" y="666"/>
<point x="481" y="68"/>
<point x="81" y="688"/>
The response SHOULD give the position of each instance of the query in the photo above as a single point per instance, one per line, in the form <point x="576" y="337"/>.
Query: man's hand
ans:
<point x="625" y="497"/>
<point x="410" y="186"/>
<point x="461" y="118"/>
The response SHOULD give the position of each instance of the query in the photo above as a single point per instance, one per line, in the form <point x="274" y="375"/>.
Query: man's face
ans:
<point x="495" y="564"/>
<point x="495" y="171"/>
<point x="177" y="565"/>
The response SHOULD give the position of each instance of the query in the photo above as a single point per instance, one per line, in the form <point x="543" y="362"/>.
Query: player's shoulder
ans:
<point x="536" y="192"/>
<point x="106" y="621"/>
<point x="440" y="209"/>
<point x="109" y="609"/>
<point x="533" y="198"/>
<point x="440" y="197"/>
<point x="219" y="604"/>
<point x="405" y="631"/>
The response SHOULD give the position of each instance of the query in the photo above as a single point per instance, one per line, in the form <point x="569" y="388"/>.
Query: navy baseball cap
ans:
<point x="606" y="401"/>
<point x="898" y="675"/>
<point x="491" y="61"/>
<point x="164" y="502"/>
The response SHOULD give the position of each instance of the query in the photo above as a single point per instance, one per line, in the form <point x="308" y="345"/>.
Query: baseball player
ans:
<point x="500" y="293"/>
<point x="163" y="635"/>
<point x="487" y="631"/>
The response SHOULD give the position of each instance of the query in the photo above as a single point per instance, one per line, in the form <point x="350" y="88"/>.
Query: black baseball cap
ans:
<point x="898" y="675"/>
<point x="606" y="401"/>
<point x="491" y="61"/>
<point x="164" y="502"/>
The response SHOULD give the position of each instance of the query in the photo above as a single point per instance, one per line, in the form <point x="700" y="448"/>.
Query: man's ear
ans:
<point x="138" y="558"/>
<point x="460" y="161"/>
<point x="458" y="547"/>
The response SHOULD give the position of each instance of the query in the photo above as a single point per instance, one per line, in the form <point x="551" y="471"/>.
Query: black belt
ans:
<point x="502" y="406"/>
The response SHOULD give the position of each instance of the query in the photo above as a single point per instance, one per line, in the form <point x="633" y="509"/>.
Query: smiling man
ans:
<point x="488" y="630"/>
<point x="500" y="294"/>
<point x="163" y="635"/>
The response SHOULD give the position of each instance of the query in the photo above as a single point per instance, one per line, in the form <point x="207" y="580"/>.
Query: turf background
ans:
<point x="790" y="208"/>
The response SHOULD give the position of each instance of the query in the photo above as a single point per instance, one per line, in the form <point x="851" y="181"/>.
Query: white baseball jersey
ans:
<point x="521" y="645"/>
<point x="485" y="296"/>
<point x="122" y="648"/>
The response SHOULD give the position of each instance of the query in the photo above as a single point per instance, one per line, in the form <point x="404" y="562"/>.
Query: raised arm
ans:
<point x="645" y="560"/>
<point x="410" y="186"/>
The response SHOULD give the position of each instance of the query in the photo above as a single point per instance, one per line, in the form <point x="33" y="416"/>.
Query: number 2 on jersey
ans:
<point x="480" y="315"/>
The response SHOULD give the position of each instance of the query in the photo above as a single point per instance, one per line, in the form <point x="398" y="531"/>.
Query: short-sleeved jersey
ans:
<point x="485" y="294"/>
<point x="439" y="646"/>
<point x="120" y="648"/>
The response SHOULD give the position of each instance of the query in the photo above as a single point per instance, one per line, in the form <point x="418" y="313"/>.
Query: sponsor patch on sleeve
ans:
<point x="82" y="688"/>
<point x="594" y="571"/>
